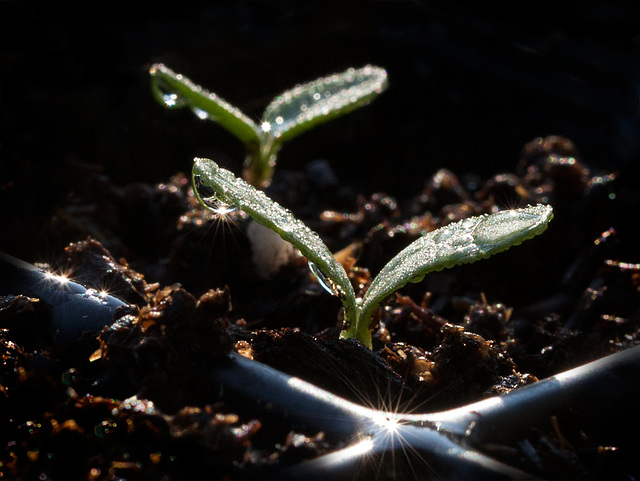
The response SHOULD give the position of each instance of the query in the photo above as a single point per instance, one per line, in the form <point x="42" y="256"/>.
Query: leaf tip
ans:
<point x="507" y="228"/>
<point x="153" y="70"/>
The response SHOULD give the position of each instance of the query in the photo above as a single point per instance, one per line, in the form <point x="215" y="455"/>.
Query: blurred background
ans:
<point x="469" y="86"/>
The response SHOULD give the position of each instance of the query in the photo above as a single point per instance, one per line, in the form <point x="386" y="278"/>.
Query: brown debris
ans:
<point x="90" y="264"/>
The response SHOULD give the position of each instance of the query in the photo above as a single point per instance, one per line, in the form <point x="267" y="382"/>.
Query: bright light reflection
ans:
<point x="386" y="421"/>
<point x="382" y="439"/>
<point x="316" y="392"/>
<point x="362" y="447"/>
<point x="97" y="296"/>
<point x="457" y="420"/>
<point x="59" y="278"/>
<point x="64" y="281"/>
<point x="223" y="210"/>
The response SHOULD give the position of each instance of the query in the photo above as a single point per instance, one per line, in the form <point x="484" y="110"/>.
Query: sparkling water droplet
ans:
<point x="218" y="206"/>
<point x="170" y="100"/>
<point x="324" y="280"/>
<point x="443" y="234"/>
<point x="210" y="199"/>
<point x="165" y="92"/>
<point x="200" y="113"/>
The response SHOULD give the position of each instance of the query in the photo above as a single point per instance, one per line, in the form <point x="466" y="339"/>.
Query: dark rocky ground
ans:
<point x="89" y="158"/>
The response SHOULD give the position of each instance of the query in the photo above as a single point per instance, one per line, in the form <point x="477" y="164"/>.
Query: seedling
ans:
<point x="288" y="115"/>
<point x="462" y="242"/>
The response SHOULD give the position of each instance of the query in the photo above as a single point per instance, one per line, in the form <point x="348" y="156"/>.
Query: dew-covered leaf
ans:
<point x="208" y="176"/>
<point x="175" y="91"/>
<point x="318" y="101"/>
<point x="462" y="242"/>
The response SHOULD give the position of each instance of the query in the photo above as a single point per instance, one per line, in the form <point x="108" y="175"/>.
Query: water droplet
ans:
<point x="200" y="113"/>
<point x="443" y="234"/>
<point x="416" y="279"/>
<point x="210" y="199"/>
<point x="324" y="280"/>
<point x="96" y="296"/>
<point x="165" y="92"/>
<point x="170" y="100"/>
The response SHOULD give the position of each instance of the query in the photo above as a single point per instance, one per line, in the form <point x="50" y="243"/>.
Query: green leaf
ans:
<point x="207" y="176"/>
<point x="462" y="242"/>
<point x="175" y="91"/>
<point x="288" y="115"/>
<point x="313" y="103"/>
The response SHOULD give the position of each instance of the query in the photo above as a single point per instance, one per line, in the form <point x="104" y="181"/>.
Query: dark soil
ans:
<point x="109" y="204"/>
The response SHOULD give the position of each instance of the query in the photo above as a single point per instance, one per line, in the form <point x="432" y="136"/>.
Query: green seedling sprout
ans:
<point x="288" y="115"/>
<point x="458" y="243"/>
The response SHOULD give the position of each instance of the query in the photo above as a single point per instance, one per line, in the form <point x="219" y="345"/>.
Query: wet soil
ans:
<point x="138" y="402"/>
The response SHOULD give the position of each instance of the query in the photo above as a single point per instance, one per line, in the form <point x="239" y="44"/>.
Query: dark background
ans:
<point x="469" y="86"/>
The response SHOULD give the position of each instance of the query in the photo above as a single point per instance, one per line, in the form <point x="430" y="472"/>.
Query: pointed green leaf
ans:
<point x="462" y="242"/>
<point x="313" y="103"/>
<point x="175" y="91"/>
<point x="207" y="175"/>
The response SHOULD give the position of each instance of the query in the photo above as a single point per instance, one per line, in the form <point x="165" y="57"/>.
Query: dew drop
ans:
<point x="443" y="234"/>
<point x="324" y="280"/>
<point x="200" y="113"/>
<point x="170" y="100"/>
<point x="218" y="206"/>
<point x="166" y="94"/>
<point x="416" y="279"/>
<point x="210" y="199"/>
